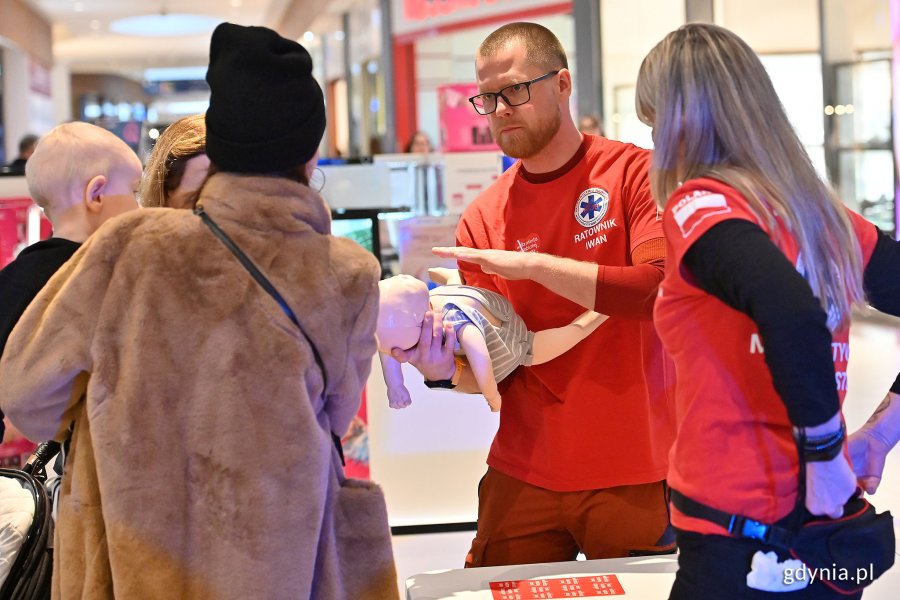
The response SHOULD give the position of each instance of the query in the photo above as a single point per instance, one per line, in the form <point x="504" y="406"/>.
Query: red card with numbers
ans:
<point x="592" y="586"/>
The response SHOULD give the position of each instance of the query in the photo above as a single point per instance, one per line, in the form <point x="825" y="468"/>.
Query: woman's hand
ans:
<point x="870" y="445"/>
<point x="868" y="451"/>
<point x="829" y="484"/>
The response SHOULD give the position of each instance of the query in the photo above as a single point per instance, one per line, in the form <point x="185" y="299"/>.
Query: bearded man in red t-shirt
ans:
<point x="581" y="453"/>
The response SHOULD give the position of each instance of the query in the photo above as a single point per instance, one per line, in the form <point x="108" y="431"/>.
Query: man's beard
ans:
<point x="526" y="143"/>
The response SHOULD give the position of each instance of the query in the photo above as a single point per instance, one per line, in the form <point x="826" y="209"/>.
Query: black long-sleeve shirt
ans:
<point x="791" y="321"/>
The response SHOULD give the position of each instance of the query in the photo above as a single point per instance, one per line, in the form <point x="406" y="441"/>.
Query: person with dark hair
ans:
<point x="590" y="125"/>
<point x="26" y="149"/>
<point x="583" y="438"/>
<point x="419" y="144"/>
<point x="207" y="382"/>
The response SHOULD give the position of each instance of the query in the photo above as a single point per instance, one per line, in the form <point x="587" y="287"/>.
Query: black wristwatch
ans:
<point x="440" y="384"/>
<point x="448" y="384"/>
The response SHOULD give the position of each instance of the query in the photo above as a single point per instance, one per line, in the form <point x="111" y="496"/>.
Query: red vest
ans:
<point x="735" y="449"/>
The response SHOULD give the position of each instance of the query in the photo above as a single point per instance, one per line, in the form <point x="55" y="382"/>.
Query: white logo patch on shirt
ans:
<point x="591" y="206"/>
<point x="696" y="207"/>
<point x="532" y="243"/>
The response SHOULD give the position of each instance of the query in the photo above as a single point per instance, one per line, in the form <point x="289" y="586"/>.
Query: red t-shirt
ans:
<point x="597" y="416"/>
<point x="735" y="449"/>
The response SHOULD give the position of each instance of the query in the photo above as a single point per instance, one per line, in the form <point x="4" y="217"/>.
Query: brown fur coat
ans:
<point x="201" y="465"/>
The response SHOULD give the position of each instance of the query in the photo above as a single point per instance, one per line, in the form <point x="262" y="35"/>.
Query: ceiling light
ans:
<point x="165" y="25"/>
<point x="78" y="7"/>
<point x="95" y="24"/>
<point x="309" y="36"/>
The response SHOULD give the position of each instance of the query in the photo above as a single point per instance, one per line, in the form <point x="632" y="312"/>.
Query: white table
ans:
<point x="641" y="577"/>
<point x="644" y="578"/>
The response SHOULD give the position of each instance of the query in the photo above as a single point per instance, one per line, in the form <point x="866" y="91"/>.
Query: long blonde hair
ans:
<point x="181" y="141"/>
<point x="715" y="114"/>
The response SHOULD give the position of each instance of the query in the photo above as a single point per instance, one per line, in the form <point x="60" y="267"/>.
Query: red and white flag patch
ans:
<point x="696" y="207"/>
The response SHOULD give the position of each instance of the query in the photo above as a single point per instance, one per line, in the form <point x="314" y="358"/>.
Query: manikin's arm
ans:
<point x="398" y="395"/>
<point x="472" y="342"/>
<point x="550" y="343"/>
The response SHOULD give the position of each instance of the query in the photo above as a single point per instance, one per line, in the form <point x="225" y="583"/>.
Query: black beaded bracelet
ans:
<point x="823" y="448"/>
<point x="440" y="384"/>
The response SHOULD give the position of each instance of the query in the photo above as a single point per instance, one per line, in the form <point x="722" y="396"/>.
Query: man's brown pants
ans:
<point x="519" y="523"/>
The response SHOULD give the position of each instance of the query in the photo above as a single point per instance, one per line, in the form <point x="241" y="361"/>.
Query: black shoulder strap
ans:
<point x="737" y="525"/>
<point x="264" y="282"/>
<point x="780" y="534"/>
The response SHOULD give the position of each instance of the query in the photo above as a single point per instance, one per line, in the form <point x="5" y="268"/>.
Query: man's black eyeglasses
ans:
<point x="513" y="95"/>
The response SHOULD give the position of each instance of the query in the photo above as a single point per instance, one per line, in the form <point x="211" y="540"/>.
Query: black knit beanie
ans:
<point x="266" y="112"/>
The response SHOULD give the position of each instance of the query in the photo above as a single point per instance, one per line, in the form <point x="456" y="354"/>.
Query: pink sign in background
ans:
<point x="462" y="129"/>
<point x="14" y="227"/>
<point x="356" y="444"/>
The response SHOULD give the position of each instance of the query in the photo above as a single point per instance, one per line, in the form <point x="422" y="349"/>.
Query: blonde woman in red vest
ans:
<point x="764" y="267"/>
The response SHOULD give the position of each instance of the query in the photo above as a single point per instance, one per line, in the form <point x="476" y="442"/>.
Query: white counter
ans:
<point x="644" y="578"/>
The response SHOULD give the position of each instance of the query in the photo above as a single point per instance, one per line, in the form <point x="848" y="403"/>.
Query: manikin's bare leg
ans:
<point x="471" y="340"/>
<point x="550" y="343"/>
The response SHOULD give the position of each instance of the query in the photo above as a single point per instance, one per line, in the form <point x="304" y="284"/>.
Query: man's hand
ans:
<point x="504" y="263"/>
<point x="868" y="451"/>
<point x="433" y="354"/>
<point x="572" y="279"/>
<point x="828" y="486"/>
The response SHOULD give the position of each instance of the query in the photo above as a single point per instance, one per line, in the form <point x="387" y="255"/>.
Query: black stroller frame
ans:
<point x="30" y="575"/>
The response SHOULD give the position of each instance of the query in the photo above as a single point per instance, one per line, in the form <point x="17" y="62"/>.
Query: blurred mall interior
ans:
<point x="390" y="68"/>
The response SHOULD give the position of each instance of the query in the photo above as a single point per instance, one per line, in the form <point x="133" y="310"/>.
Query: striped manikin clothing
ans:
<point x="509" y="345"/>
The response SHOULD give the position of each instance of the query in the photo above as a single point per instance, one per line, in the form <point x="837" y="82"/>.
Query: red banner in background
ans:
<point x="356" y="444"/>
<point x="420" y="10"/>
<point x="14" y="227"/>
<point x="462" y="129"/>
<point x="591" y="586"/>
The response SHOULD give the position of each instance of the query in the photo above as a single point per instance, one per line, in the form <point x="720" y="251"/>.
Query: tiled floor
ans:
<point x="874" y="363"/>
